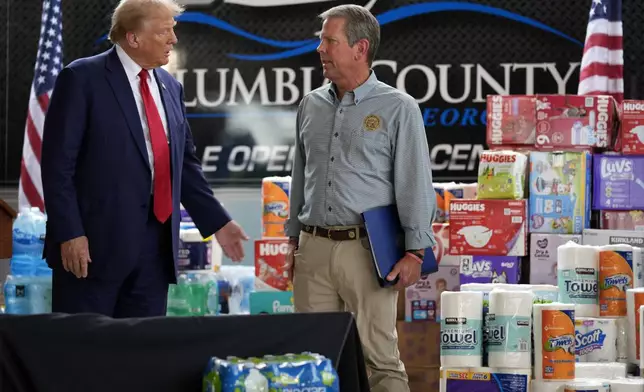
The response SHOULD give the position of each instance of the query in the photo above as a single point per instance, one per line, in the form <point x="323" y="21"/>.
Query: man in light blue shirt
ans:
<point x="360" y="144"/>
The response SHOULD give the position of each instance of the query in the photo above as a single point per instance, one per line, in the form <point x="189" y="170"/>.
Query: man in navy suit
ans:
<point x="117" y="159"/>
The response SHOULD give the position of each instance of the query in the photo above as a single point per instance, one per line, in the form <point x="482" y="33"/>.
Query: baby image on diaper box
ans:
<point x="270" y="265"/>
<point x="422" y="300"/>
<point x="559" y="201"/>
<point x="490" y="269"/>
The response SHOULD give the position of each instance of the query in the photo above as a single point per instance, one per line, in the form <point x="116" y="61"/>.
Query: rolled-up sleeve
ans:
<point x="415" y="196"/>
<point x="296" y="198"/>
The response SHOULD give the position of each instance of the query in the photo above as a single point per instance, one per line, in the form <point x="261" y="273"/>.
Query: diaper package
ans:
<point x="632" y="127"/>
<point x="271" y="373"/>
<point x="618" y="182"/>
<point x="501" y="175"/>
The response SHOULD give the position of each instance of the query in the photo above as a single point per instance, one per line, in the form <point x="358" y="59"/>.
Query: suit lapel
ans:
<point x="123" y="92"/>
<point x="171" y="116"/>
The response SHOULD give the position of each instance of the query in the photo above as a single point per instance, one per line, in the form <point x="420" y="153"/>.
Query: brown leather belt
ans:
<point x="336" y="234"/>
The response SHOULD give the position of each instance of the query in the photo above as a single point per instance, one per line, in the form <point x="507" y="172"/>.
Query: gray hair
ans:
<point x="129" y="14"/>
<point x="359" y="24"/>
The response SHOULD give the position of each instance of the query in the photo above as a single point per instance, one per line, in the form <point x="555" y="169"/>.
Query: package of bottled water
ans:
<point x="27" y="294"/>
<point x="195" y="294"/>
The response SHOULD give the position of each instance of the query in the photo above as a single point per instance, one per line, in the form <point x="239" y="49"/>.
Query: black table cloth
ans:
<point x="59" y="352"/>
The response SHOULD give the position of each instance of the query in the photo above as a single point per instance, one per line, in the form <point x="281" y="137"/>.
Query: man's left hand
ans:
<point x="407" y="270"/>
<point x="230" y="239"/>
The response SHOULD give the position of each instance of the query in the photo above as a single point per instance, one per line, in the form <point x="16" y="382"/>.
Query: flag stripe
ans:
<point x="34" y="138"/>
<point x="603" y="55"/>
<point x="603" y="40"/>
<point x="30" y="191"/>
<point x="601" y="69"/>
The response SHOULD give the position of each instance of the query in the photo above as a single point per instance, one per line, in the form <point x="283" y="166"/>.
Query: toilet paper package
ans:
<point x="634" y="300"/>
<point x="275" y="205"/>
<point x="554" y="341"/>
<point x="589" y="385"/>
<point x="608" y="371"/>
<point x="632" y="127"/>
<point x="488" y="227"/>
<point x="547" y="386"/>
<point x="509" y="327"/>
<point x="620" y="268"/>
<point x="461" y="329"/>
<point x="632" y="384"/>
<point x="484" y="379"/>
<point x="559" y="194"/>
<point x="618" y="182"/>
<point x="577" y="273"/>
<point x="595" y="339"/>
<point x="501" y="175"/>
<point x="490" y="269"/>
<point x="543" y="256"/>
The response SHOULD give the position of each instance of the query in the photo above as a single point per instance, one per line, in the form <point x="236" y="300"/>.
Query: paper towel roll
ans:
<point x="634" y="299"/>
<point x="275" y="205"/>
<point x="577" y="272"/>
<point x="547" y="386"/>
<point x="509" y="326"/>
<point x="461" y="328"/>
<point x="607" y="371"/>
<point x="587" y="386"/>
<point x="627" y="385"/>
<point x="619" y="268"/>
<point x="554" y="341"/>
<point x="595" y="339"/>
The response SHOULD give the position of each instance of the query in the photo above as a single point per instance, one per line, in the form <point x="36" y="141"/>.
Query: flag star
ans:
<point x="56" y="60"/>
<point x="54" y="71"/>
<point x="597" y="2"/>
<point x="46" y="56"/>
<point x="48" y="44"/>
<point x="51" y="32"/>
<point x="592" y="12"/>
<point x="60" y="37"/>
<point x="54" y="20"/>
<point x="41" y="79"/>
<point x="605" y="9"/>
<point x="44" y="18"/>
<point x="45" y="5"/>
<point x="43" y="68"/>
<point x="56" y="9"/>
<point x="59" y="49"/>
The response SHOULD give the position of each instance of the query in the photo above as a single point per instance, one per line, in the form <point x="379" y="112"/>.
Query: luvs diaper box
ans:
<point x="618" y="182"/>
<point x="488" y="227"/>
<point x="559" y="192"/>
<point x="490" y="269"/>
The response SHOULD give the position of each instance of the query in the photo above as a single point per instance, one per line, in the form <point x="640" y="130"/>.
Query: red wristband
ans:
<point x="418" y="259"/>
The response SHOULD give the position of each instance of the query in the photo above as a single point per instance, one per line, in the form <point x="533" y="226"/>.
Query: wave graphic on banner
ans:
<point x="296" y="48"/>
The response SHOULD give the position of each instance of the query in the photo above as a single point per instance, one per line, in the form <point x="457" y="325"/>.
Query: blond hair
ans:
<point x="130" y="14"/>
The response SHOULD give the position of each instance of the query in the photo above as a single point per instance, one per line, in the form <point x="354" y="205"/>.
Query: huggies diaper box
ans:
<point x="511" y="120"/>
<point x="559" y="192"/>
<point x="271" y="271"/>
<point x="488" y="227"/>
<point x="618" y="182"/>
<point x="632" y="127"/>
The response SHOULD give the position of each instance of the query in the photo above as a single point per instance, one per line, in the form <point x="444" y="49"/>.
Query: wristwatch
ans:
<point x="417" y="254"/>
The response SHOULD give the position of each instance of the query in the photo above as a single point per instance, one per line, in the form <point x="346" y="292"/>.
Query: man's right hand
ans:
<point x="75" y="256"/>
<point x="290" y="256"/>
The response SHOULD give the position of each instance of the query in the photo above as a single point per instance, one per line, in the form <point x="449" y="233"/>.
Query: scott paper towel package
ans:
<point x="501" y="175"/>
<point x="554" y="341"/>
<point x="543" y="256"/>
<point x="461" y="329"/>
<point x="595" y="339"/>
<point x="490" y="269"/>
<point x="484" y="379"/>
<point x="509" y="328"/>
<point x="577" y="274"/>
<point x="275" y="205"/>
<point x="634" y="300"/>
<point x="620" y="269"/>
<point x="559" y="192"/>
<point x="618" y="182"/>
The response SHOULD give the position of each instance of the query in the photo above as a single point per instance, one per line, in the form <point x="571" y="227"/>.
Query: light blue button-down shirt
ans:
<point x="367" y="150"/>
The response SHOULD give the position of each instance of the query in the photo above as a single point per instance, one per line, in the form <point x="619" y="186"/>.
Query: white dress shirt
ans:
<point x="132" y="70"/>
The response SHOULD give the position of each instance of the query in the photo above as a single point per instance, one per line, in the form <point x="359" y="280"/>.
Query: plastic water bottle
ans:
<point x="26" y="236"/>
<point x="39" y="291"/>
<point x="16" y="295"/>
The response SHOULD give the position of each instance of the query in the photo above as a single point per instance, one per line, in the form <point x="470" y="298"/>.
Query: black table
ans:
<point x="59" y="352"/>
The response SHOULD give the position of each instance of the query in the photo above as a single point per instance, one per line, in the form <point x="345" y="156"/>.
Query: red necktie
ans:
<point x="162" y="184"/>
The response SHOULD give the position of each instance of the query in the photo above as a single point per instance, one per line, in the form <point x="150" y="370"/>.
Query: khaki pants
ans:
<point x="335" y="276"/>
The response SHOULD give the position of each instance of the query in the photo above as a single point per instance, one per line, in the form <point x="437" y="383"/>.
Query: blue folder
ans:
<point x="387" y="243"/>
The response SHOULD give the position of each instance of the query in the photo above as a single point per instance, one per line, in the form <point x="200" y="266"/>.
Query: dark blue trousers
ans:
<point x="141" y="291"/>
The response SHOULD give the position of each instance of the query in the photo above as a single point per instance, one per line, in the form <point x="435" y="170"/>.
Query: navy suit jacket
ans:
<point x="96" y="172"/>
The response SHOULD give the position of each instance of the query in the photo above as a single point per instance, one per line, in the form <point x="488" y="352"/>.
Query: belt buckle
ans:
<point x="328" y="234"/>
<point x="353" y="234"/>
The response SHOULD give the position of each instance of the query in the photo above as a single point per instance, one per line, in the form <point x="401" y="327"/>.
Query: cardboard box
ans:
<point x="490" y="269"/>
<point x="622" y="220"/>
<point x="618" y="182"/>
<point x="543" y="256"/>
<point x="632" y="127"/>
<point x="576" y="122"/>
<point x="419" y="344"/>
<point x="422" y="300"/>
<point x="441" y="249"/>
<point x="511" y="120"/>
<point x="611" y="237"/>
<point x="271" y="302"/>
<point x="423" y="379"/>
<point x="271" y="272"/>
<point x="488" y="227"/>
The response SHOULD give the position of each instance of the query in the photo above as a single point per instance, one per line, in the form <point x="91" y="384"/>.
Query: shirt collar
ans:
<point x="131" y="68"/>
<point x="361" y="91"/>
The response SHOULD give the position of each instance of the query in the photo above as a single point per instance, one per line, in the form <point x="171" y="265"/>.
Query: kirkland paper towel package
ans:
<point x="461" y="329"/>
<point x="511" y="120"/>
<point x="501" y="175"/>
<point x="611" y="237"/>
<point x="577" y="275"/>
<point x="554" y="337"/>
<point x="632" y="127"/>
<point x="576" y="122"/>
<point x="271" y="270"/>
<point x="275" y="208"/>
<point x="595" y="339"/>
<point x="423" y="299"/>
<point x="484" y="379"/>
<point x="509" y="328"/>
<point x="620" y="269"/>
<point x="634" y="300"/>
<point x="490" y="269"/>
<point x="618" y="182"/>
<point x="621" y="220"/>
<point x="488" y="227"/>
<point x="559" y="194"/>
<point x="543" y="256"/>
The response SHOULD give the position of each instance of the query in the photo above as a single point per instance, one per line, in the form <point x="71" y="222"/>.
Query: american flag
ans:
<point x="602" y="64"/>
<point x="49" y="63"/>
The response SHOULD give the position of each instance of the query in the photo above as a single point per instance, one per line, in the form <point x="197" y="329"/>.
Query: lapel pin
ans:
<point x="163" y="85"/>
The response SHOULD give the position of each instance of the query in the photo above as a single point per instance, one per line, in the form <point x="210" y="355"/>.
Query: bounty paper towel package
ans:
<point x="461" y="329"/>
<point x="595" y="339"/>
<point x="621" y="220"/>
<point x="618" y="182"/>
<point x="488" y="227"/>
<point x="484" y="379"/>
<point x="543" y="256"/>
<point x="510" y="120"/>
<point x="577" y="277"/>
<point x="559" y="192"/>
<point x="632" y="127"/>
<point x="490" y="269"/>
<point x="271" y="270"/>
<point x="554" y="341"/>
<point x="501" y="175"/>
<point x="575" y="122"/>
<point x="423" y="299"/>
<point x="275" y="207"/>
